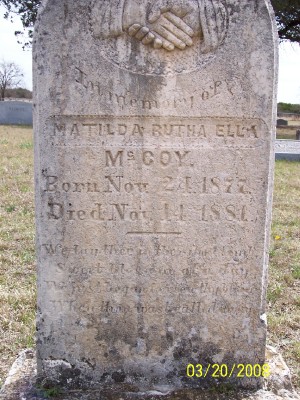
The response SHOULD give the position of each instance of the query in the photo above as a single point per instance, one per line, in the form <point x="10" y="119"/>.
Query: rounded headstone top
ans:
<point x="157" y="39"/>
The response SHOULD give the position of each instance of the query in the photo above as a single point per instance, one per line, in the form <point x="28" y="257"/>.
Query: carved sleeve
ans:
<point x="213" y="18"/>
<point x="106" y="18"/>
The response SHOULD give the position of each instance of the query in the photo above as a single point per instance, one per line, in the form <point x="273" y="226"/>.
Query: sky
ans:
<point x="289" y="61"/>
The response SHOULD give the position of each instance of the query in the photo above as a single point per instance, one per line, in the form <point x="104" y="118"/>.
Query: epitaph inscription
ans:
<point x="153" y="184"/>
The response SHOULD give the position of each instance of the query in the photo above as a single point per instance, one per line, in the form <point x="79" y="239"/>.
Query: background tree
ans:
<point x="10" y="76"/>
<point x="18" y="93"/>
<point x="27" y="11"/>
<point x="287" y="17"/>
<point x="289" y="108"/>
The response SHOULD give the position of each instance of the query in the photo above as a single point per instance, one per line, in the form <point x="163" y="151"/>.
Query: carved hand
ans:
<point x="168" y="24"/>
<point x="167" y="31"/>
<point x="187" y="10"/>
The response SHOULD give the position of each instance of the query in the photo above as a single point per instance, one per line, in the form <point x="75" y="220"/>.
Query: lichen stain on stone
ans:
<point x="118" y="376"/>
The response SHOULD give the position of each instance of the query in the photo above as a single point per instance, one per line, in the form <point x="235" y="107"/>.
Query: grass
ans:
<point x="17" y="259"/>
<point x="284" y="271"/>
<point x="286" y="133"/>
<point x="17" y="269"/>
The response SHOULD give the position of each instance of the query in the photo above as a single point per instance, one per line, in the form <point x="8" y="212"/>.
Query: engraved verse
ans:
<point x="151" y="193"/>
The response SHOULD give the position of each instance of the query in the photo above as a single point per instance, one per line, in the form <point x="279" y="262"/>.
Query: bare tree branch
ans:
<point x="10" y="76"/>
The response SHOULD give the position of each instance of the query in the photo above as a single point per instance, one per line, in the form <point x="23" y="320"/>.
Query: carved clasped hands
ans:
<point x="168" y="24"/>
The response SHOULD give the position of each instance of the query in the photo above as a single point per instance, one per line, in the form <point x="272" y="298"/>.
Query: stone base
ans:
<point x="21" y="385"/>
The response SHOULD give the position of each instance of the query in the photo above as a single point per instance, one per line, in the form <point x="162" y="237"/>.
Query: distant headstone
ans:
<point x="154" y="157"/>
<point x="282" y="122"/>
<point x="287" y="150"/>
<point x="15" y="113"/>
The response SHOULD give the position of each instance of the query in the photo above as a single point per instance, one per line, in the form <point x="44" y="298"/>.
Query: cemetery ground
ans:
<point x="17" y="255"/>
<point x="288" y="132"/>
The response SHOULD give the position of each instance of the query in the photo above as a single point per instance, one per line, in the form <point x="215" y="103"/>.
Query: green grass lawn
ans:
<point x="284" y="271"/>
<point x="17" y="260"/>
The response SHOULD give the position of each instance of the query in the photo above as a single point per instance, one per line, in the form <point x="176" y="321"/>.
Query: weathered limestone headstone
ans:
<point x="154" y="156"/>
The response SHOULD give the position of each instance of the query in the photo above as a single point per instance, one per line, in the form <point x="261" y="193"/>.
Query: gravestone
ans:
<point x="282" y="122"/>
<point x="15" y="113"/>
<point x="153" y="163"/>
<point x="287" y="150"/>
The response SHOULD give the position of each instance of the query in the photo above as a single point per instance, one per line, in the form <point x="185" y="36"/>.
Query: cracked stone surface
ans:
<point x="21" y="385"/>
